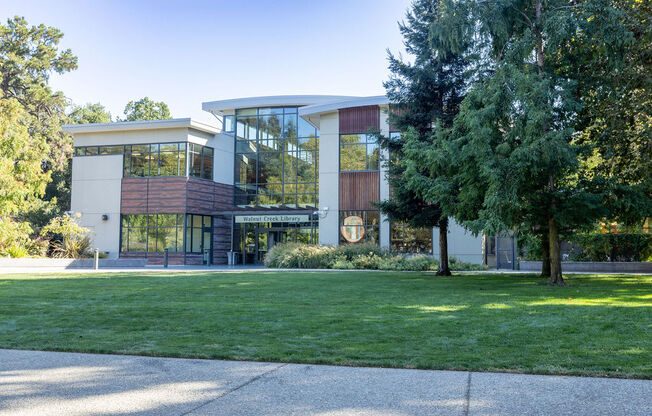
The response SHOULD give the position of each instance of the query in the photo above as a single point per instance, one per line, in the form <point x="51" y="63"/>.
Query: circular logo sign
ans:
<point x="353" y="229"/>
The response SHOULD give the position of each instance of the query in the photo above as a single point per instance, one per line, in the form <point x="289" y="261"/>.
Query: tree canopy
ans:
<point x="89" y="113"/>
<point x="146" y="109"/>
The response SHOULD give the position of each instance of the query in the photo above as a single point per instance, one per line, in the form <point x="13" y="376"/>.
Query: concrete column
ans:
<point x="384" y="185"/>
<point x="329" y="177"/>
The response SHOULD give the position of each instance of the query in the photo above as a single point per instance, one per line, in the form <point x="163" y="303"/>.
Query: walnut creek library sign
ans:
<point x="271" y="218"/>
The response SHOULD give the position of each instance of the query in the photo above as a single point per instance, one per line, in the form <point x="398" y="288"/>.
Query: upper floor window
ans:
<point x="358" y="152"/>
<point x="228" y="124"/>
<point x="201" y="161"/>
<point x="159" y="159"/>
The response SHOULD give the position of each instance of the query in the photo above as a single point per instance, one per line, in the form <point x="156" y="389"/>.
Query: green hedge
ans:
<point x="597" y="247"/>
<point x="353" y="256"/>
<point x="613" y="247"/>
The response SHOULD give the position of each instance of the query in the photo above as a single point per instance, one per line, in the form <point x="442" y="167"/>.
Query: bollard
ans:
<point x="165" y="257"/>
<point x="96" y="264"/>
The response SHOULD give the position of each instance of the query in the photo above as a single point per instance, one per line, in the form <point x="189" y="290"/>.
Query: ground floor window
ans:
<point x="406" y="239"/>
<point x="153" y="233"/>
<point x="359" y="227"/>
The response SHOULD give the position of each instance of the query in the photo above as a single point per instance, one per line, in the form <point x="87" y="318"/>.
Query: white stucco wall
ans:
<point x="329" y="179"/>
<point x="96" y="187"/>
<point x="461" y="243"/>
<point x="384" y="185"/>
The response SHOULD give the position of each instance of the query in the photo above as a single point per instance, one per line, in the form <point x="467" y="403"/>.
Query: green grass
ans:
<point x="599" y="325"/>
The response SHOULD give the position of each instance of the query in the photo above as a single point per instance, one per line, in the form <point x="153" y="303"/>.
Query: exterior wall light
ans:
<point x="105" y="217"/>
<point x="322" y="213"/>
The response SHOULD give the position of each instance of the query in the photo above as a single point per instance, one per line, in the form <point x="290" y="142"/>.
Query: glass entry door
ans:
<point x="266" y="240"/>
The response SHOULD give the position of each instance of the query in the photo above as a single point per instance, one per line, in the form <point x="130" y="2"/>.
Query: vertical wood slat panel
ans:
<point x="358" y="190"/>
<point x="359" y="119"/>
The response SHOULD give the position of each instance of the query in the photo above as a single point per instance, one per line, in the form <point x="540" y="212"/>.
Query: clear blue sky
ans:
<point x="186" y="52"/>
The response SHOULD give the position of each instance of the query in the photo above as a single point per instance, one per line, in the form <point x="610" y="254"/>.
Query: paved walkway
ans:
<point x="53" y="383"/>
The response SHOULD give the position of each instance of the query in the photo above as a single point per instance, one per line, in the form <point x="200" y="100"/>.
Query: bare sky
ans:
<point x="186" y="52"/>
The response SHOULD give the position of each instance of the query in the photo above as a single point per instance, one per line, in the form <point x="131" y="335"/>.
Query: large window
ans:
<point x="358" y="152"/>
<point x="152" y="233"/>
<point x="359" y="227"/>
<point x="406" y="239"/>
<point x="159" y="159"/>
<point x="276" y="159"/>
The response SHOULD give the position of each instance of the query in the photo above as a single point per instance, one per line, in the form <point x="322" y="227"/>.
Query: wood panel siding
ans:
<point x="359" y="189"/>
<point x="221" y="238"/>
<point x="178" y="195"/>
<point x="223" y="196"/>
<point x="166" y="195"/>
<point x="200" y="196"/>
<point x="359" y="119"/>
<point x="133" y="198"/>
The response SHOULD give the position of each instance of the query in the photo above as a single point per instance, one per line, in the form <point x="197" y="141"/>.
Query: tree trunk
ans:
<point x="545" y="259"/>
<point x="444" y="269"/>
<point x="556" y="278"/>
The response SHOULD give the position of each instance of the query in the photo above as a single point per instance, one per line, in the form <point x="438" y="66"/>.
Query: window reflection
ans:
<point x="275" y="151"/>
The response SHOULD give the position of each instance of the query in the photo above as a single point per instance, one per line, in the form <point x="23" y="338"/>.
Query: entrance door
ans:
<point x="266" y="239"/>
<point x="207" y="245"/>
<point x="505" y="253"/>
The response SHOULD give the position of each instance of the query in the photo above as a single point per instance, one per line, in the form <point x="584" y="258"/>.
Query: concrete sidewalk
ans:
<point x="52" y="383"/>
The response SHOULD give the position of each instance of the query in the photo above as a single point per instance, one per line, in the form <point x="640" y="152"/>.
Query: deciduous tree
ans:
<point x="146" y="109"/>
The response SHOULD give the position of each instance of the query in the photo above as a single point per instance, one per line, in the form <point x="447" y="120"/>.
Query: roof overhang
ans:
<point x="141" y="125"/>
<point x="217" y="107"/>
<point x="311" y="113"/>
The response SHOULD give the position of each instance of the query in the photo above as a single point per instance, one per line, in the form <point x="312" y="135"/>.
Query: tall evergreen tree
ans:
<point x="424" y="93"/>
<point x="518" y="127"/>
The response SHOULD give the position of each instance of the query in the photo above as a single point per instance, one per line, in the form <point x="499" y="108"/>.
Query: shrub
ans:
<point x="70" y="240"/>
<point x="300" y="256"/>
<point x="351" y="251"/>
<point x="15" y="239"/>
<point x="363" y="256"/>
<point x="457" y="264"/>
<point x="614" y="247"/>
<point x="17" y="252"/>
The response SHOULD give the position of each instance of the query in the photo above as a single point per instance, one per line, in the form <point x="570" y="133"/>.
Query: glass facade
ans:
<point x="159" y="159"/>
<point x="276" y="159"/>
<point x="359" y="227"/>
<point x="153" y="233"/>
<point x="406" y="239"/>
<point x="255" y="239"/>
<point x="358" y="152"/>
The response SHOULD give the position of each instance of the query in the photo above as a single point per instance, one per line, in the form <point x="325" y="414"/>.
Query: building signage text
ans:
<point x="271" y="218"/>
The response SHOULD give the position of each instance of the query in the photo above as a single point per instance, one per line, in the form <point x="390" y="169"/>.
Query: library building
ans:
<point x="270" y="170"/>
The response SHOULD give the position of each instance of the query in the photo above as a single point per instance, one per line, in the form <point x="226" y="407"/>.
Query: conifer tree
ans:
<point x="519" y="128"/>
<point x="424" y="93"/>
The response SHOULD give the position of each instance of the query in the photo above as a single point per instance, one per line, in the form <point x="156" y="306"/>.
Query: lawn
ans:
<point x="598" y="325"/>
